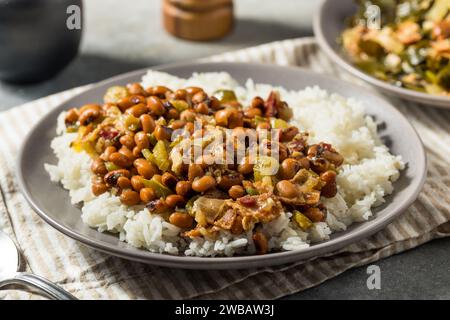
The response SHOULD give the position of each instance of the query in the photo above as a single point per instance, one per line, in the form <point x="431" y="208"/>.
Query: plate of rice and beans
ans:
<point x="221" y="165"/>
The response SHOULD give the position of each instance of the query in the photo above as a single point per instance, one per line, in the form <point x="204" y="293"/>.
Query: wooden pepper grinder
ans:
<point x="198" y="20"/>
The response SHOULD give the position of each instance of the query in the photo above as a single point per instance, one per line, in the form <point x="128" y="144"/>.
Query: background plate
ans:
<point x="329" y="22"/>
<point x="52" y="202"/>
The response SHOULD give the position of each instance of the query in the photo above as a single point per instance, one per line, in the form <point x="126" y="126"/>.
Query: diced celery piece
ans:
<point x="303" y="221"/>
<point x="225" y="96"/>
<point x="265" y="166"/>
<point x="161" y="190"/>
<point x="278" y="123"/>
<point x="180" y="105"/>
<point x="161" y="156"/>
<point x="111" y="166"/>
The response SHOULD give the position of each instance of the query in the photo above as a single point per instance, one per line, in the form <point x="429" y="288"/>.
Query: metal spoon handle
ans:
<point x="51" y="289"/>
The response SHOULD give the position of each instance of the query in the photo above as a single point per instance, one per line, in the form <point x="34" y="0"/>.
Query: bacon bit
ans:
<point x="109" y="134"/>
<point x="270" y="105"/>
<point x="298" y="146"/>
<point x="226" y="222"/>
<point x="327" y="146"/>
<point x="288" y="134"/>
<point x="247" y="201"/>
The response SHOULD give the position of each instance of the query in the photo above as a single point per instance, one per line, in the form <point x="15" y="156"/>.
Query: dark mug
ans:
<point x="38" y="38"/>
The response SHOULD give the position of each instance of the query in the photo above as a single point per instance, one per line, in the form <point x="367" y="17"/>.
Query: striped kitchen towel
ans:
<point x="90" y="274"/>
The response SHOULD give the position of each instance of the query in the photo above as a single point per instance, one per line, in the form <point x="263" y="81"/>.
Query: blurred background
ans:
<point x="119" y="37"/>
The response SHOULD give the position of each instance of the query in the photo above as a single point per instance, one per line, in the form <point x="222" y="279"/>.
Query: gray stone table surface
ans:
<point x="122" y="36"/>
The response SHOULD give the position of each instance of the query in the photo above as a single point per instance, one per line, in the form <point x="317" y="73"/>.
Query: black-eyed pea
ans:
<point x="159" y="91"/>
<point x="162" y="133"/>
<point x="107" y="153"/>
<point x="330" y="188"/>
<point x="173" y="200"/>
<point x="155" y="106"/>
<point x="137" y="152"/>
<point x="177" y="124"/>
<point x="203" y="184"/>
<point x="128" y="141"/>
<point x="257" y="102"/>
<point x="71" y="116"/>
<point x="188" y="115"/>
<point x="141" y="140"/>
<point x="245" y="167"/>
<point x="286" y="189"/>
<point x="137" y="110"/>
<point x="181" y="220"/>
<point x="252" y="112"/>
<point x="127" y="153"/>
<point x="183" y="188"/>
<point x="136" y="89"/>
<point x="88" y="116"/>
<point x="145" y="168"/>
<point x="90" y="106"/>
<point x="120" y="160"/>
<point x="147" y="195"/>
<point x="222" y="116"/>
<point x="191" y="91"/>
<point x="112" y="177"/>
<point x="137" y="182"/>
<point x="225" y="182"/>
<point x="289" y="168"/>
<point x="172" y="113"/>
<point x="99" y="188"/>
<point x="199" y="97"/>
<point x="236" y="192"/>
<point x="130" y="197"/>
<point x="98" y="167"/>
<point x="288" y="134"/>
<point x="147" y="123"/>
<point x="202" y="108"/>
<point x="314" y="214"/>
<point x="124" y="103"/>
<point x="214" y="103"/>
<point x="180" y="94"/>
<point x="236" y="119"/>
<point x="194" y="171"/>
<point x="123" y="183"/>
<point x="169" y="180"/>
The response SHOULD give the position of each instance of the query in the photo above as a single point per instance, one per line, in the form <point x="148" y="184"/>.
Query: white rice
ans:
<point x="363" y="181"/>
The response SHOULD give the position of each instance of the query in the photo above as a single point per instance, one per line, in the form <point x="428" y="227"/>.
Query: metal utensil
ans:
<point x="9" y="274"/>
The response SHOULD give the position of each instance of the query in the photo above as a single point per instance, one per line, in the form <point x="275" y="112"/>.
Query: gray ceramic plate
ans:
<point x="52" y="203"/>
<point x="329" y="22"/>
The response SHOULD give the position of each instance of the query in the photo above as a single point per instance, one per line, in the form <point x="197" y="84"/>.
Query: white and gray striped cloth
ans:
<point x="89" y="274"/>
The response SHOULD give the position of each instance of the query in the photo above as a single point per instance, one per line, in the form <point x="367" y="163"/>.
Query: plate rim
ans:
<point x="421" y="98"/>
<point x="234" y="262"/>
